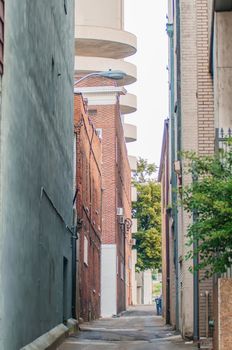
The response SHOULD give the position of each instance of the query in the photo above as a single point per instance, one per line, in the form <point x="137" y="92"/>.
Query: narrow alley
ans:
<point x="138" y="329"/>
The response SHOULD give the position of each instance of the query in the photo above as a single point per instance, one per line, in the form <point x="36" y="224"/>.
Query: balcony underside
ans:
<point x="104" y="42"/>
<point x="130" y="132"/>
<point x="128" y="103"/>
<point x="133" y="163"/>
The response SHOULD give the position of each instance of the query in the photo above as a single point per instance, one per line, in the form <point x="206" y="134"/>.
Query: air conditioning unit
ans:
<point x="99" y="133"/>
<point x="133" y="241"/>
<point x="120" y="211"/>
<point x="121" y="219"/>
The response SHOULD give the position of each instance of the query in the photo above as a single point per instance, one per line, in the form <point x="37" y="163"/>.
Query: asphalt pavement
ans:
<point x="138" y="328"/>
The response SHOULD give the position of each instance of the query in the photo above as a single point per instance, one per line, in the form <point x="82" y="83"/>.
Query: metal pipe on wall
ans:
<point x="207" y="313"/>
<point x="196" y="333"/>
<point x="170" y="32"/>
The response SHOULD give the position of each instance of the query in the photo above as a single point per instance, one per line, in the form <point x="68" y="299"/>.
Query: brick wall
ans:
<point x="89" y="212"/>
<point x="224" y="314"/>
<point x="116" y="180"/>
<point x="223" y="107"/>
<point x="105" y="119"/>
<point x="205" y="97"/>
<point x="215" y="313"/>
<point x="206" y="130"/>
<point x="189" y="142"/>
<point x="197" y="126"/>
<point x="116" y="184"/>
<point x="123" y="181"/>
<point x="168" y="267"/>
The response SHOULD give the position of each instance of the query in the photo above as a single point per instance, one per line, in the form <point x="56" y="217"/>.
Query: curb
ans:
<point x="52" y="339"/>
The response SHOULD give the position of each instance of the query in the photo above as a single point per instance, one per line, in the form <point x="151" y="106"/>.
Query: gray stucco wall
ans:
<point x="223" y="70"/>
<point x="36" y="154"/>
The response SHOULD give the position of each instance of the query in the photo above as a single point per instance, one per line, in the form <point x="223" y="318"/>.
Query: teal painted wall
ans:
<point x="36" y="154"/>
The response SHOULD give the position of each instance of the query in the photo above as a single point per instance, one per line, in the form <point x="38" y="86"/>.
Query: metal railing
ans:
<point x="222" y="136"/>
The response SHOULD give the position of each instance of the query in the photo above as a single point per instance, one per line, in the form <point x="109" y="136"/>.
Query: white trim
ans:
<point x="100" y="99"/>
<point x="100" y="90"/>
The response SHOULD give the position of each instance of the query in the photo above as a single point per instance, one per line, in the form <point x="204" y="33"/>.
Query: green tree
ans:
<point x="145" y="171"/>
<point x="147" y="210"/>
<point x="210" y="197"/>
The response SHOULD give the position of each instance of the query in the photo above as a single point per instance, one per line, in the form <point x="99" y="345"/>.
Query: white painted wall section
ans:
<point x="108" y="280"/>
<point x="147" y="287"/>
<point x="133" y="279"/>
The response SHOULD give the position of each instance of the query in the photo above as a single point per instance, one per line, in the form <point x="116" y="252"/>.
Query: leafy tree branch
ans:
<point x="210" y="197"/>
<point x="147" y="210"/>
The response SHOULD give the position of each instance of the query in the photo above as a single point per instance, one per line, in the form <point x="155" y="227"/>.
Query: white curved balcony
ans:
<point x="86" y="65"/>
<point x="104" y="42"/>
<point x="133" y="163"/>
<point x="134" y="228"/>
<point x="130" y="132"/>
<point x="128" y="103"/>
<point x="134" y="194"/>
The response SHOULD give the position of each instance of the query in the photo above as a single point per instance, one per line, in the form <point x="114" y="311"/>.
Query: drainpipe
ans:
<point x="207" y="314"/>
<point x="167" y="216"/>
<point x="178" y="87"/>
<point x="179" y="141"/>
<point x="74" y="267"/>
<point x="196" y="335"/>
<point x="170" y="32"/>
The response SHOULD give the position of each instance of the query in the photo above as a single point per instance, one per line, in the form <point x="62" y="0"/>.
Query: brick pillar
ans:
<point x="205" y="96"/>
<point x="206" y="130"/>
<point x="224" y="313"/>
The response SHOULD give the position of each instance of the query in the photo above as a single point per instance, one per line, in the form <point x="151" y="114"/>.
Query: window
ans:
<point x="130" y="262"/>
<point x="122" y="271"/>
<point x="86" y="250"/>
<point x="92" y="112"/>
<point x="116" y="149"/>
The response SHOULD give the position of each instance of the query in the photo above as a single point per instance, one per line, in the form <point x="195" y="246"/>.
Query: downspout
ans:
<point x="170" y="32"/>
<point x="179" y="144"/>
<point x="74" y="267"/>
<point x="207" y="313"/>
<point x="124" y="228"/>
<point x="74" y="233"/>
<point x="196" y="333"/>
<point x="168" y="292"/>
<point x="178" y="87"/>
<point x="76" y="227"/>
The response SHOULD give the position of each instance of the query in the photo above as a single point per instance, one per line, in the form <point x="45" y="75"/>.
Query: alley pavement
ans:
<point x="138" y="328"/>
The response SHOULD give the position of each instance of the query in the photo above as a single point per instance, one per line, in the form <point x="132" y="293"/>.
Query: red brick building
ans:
<point x="104" y="109"/>
<point x="89" y="211"/>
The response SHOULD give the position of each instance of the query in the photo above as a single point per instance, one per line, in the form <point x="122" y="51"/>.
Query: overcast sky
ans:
<point x="147" y="20"/>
